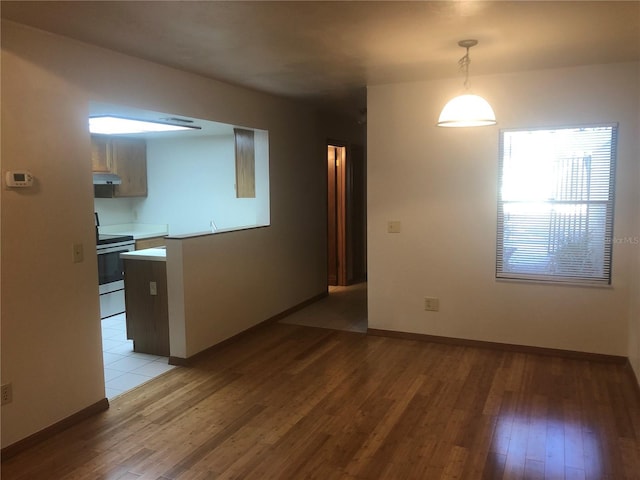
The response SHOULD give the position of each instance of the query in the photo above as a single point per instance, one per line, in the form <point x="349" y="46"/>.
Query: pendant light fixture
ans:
<point x="466" y="110"/>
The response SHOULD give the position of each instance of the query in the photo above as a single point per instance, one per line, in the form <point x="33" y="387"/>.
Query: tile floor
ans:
<point x="125" y="369"/>
<point x="345" y="308"/>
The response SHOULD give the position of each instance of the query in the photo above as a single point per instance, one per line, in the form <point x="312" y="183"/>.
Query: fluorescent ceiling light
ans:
<point x="111" y="125"/>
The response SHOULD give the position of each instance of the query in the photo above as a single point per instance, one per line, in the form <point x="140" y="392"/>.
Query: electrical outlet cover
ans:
<point x="431" y="304"/>
<point x="6" y="394"/>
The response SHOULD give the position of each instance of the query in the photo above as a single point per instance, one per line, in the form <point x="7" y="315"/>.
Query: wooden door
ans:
<point x="336" y="218"/>
<point x="346" y="219"/>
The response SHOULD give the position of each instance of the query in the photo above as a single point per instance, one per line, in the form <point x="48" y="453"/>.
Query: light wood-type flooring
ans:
<point x="297" y="402"/>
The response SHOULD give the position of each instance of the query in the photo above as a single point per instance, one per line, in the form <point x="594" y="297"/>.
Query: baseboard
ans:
<point x="183" y="362"/>
<point x="556" y="352"/>
<point x="21" y="445"/>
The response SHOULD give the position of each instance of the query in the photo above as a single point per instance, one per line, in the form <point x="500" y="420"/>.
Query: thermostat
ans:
<point x="19" y="178"/>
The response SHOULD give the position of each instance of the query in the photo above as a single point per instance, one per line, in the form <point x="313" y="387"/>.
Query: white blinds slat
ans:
<point x="555" y="204"/>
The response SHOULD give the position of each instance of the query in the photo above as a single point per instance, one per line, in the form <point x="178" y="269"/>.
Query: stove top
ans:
<point x="105" y="239"/>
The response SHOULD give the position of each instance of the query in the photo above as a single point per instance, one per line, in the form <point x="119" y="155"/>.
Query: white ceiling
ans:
<point x="328" y="51"/>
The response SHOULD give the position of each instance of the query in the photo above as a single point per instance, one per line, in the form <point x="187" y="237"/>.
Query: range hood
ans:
<point x="106" y="179"/>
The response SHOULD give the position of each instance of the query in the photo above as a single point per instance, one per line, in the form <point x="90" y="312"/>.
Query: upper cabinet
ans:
<point x="129" y="162"/>
<point x="245" y="163"/>
<point x="100" y="154"/>
<point x="127" y="158"/>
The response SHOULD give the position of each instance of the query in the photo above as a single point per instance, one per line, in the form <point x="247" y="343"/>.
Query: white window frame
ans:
<point x="561" y="263"/>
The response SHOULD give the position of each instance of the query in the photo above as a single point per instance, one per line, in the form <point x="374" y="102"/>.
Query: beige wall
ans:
<point x="51" y="348"/>
<point x="343" y="128"/>
<point x="222" y="284"/>
<point x="441" y="184"/>
<point x="634" y="315"/>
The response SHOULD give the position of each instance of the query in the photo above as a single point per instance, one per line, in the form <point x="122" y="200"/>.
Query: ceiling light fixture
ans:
<point x="466" y="110"/>
<point x="113" y="125"/>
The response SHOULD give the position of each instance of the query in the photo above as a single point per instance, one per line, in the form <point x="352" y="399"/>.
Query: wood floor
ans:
<point x="296" y="402"/>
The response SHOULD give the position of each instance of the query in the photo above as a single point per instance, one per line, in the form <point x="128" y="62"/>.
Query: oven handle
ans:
<point x="114" y="249"/>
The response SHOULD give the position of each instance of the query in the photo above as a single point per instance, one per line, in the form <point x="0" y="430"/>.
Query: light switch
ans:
<point x="153" y="288"/>
<point x="393" y="226"/>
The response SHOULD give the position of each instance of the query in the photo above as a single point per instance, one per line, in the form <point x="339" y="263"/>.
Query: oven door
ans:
<point x="111" y="279"/>
<point x="111" y="266"/>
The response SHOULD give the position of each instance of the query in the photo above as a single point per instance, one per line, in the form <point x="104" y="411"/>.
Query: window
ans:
<point x="555" y="204"/>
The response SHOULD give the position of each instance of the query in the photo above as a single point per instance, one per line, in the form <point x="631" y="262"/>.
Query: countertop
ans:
<point x="149" y="254"/>
<point x="137" y="230"/>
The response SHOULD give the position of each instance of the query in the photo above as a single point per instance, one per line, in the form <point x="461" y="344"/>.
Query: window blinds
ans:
<point x="555" y="204"/>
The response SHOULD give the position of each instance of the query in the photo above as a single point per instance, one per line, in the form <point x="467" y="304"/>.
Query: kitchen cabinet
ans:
<point x="129" y="162"/>
<point x="146" y="301"/>
<point x="245" y="163"/>
<point x="127" y="158"/>
<point x="100" y="161"/>
<point x="152" y="242"/>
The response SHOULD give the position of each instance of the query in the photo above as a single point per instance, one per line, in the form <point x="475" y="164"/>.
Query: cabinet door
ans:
<point x="245" y="163"/>
<point x="100" y="154"/>
<point x="129" y="162"/>
<point x="150" y="243"/>
<point x="147" y="315"/>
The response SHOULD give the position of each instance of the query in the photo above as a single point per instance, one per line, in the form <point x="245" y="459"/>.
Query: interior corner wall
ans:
<point x="441" y="184"/>
<point x="50" y="311"/>
<point x="634" y="316"/>
<point x="342" y="128"/>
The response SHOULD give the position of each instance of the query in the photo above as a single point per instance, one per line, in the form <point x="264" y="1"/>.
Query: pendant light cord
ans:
<point x="464" y="63"/>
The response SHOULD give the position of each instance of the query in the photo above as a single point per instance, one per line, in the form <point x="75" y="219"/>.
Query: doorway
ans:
<point x="346" y="214"/>
<point x="345" y="308"/>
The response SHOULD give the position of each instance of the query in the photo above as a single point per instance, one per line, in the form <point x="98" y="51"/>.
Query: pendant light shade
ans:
<point x="466" y="110"/>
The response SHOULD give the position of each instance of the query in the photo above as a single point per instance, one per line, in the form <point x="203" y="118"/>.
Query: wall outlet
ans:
<point x="78" y="253"/>
<point x="6" y="393"/>
<point x="153" y="288"/>
<point x="432" y="304"/>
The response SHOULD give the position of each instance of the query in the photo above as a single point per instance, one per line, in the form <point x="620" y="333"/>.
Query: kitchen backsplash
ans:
<point x="114" y="211"/>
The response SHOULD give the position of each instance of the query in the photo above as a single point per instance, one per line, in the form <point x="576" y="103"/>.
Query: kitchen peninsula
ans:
<point x="146" y="300"/>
